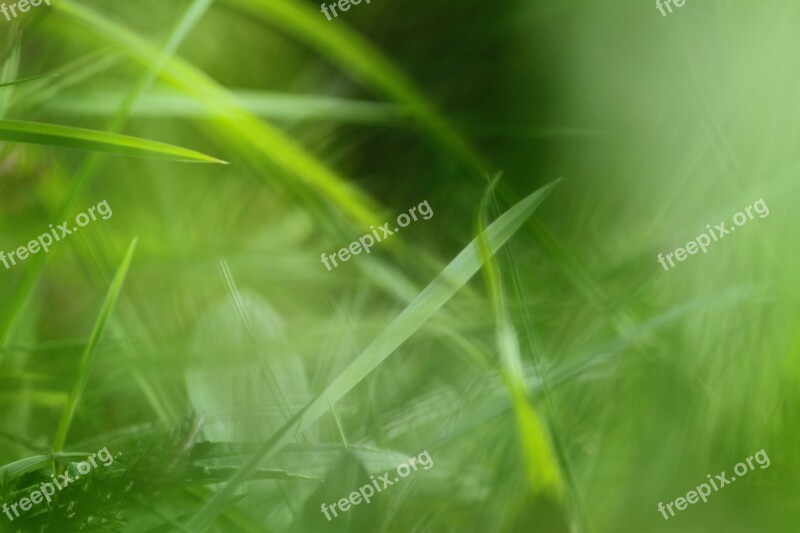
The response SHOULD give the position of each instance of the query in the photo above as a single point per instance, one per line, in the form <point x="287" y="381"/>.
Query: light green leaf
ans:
<point x="164" y="102"/>
<point x="543" y="469"/>
<point x="88" y="354"/>
<point x="357" y="56"/>
<point x="83" y="139"/>
<point x="241" y="129"/>
<point x="23" y="80"/>
<point x="413" y="317"/>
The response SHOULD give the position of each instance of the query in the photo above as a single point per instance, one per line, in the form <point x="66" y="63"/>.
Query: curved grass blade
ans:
<point x="411" y="319"/>
<point x="88" y="354"/>
<point x="24" y="80"/>
<point x="23" y="466"/>
<point x="235" y="125"/>
<point x="245" y="133"/>
<point x="184" y="25"/>
<point x="84" y="139"/>
<point x="356" y="55"/>
<point x="31" y="464"/>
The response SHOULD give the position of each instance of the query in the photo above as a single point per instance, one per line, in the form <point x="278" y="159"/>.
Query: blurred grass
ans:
<point x="24" y="80"/>
<point x="413" y="317"/>
<point x="83" y="139"/>
<point x="88" y="354"/>
<point x="579" y="365"/>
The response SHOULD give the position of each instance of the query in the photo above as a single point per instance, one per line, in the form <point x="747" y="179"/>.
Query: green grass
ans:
<point x="570" y="387"/>
<point x="83" y="139"/>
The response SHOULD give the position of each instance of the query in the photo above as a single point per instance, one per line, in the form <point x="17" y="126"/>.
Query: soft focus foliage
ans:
<point x="525" y="335"/>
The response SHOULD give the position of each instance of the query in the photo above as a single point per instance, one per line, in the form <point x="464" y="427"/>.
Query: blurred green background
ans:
<point x="572" y="386"/>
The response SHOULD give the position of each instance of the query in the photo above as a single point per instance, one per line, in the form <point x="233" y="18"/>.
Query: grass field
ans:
<point x="518" y="361"/>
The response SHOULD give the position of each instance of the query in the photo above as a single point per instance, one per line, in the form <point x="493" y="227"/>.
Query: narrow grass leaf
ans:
<point x="37" y="93"/>
<point x="543" y="470"/>
<point x="84" y="139"/>
<point x="411" y="319"/>
<point x="84" y="68"/>
<point x="356" y="55"/>
<point x="88" y="354"/>
<point x="10" y="68"/>
<point x="163" y="102"/>
<point x="24" y="80"/>
<point x="235" y="125"/>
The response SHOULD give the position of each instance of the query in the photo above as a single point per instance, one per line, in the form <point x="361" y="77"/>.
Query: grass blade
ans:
<point x="235" y="125"/>
<point x="356" y="55"/>
<point x="69" y="75"/>
<point x="543" y="470"/>
<point x="10" y="65"/>
<point x="84" y="139"/>
<point x="88" y="354"/>
<point x="185" y="24"/>
<point x="170" y="103"/>
<point x="23" y="80"/>
<point x="413" y="317"/>
<point x="73" y="74"/>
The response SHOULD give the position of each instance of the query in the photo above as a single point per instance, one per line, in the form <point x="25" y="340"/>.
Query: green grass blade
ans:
<point x="10" y="70"/>
<point x="543" y="469"/>
<point x="73" y="74"/>
<point x="48" y="398"/>
<point x="88" y="354"/>
<point x="235" y="125"/>
<point x="188" y="20"/>
<point x="84" y="139"/>
<point x="357" y="56"/>
<point x="31" y="464"/>
<point x="23" y="466"/>
<point x="410" y="320"/>
<point x="24" y="80"/>
<point x="38" y="93"/>
<point x="234" y="519"/>
<point x="170" y="103"/>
